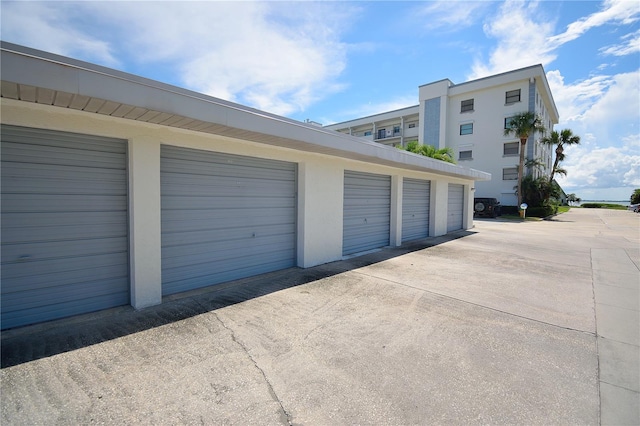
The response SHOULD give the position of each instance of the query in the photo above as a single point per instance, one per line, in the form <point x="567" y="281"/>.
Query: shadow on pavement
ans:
<point x="38" y="341"/>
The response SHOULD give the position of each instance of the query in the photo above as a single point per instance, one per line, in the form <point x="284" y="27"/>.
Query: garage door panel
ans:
<point x="361" y="204"/>
<point x="224" y="217"/>
<point x="83" y="185"/>
<point x="372" y="221"/>
<point x="416" y="196"/>
<point x="189" y="277"/>
<point x="60" y="249"/>
<point x="113" y="288"/>
<point x="41" y="228"/>
<point x="28" y="136"/>
<point x="218" y="236"/>
<point x="39" y="178"/>
<point x="217" y="164"/>
<point x="34" y="267"/>
<point x="455" y="207"/>
<point x="228" y="188"/>
<point x="36" y="203"/>
<point x="212" y="252"/>
<point x="226" y="203"/>
<point x="64" y="224"/>
<point x="60" y="310"/>
<point x="193" y="220"/>
<point x="87" y="275"/>
<point x="77" y="155"/>
<point x="192" y="171"/>
<point x="229" y="260"/>
<point x="366" y="212"/>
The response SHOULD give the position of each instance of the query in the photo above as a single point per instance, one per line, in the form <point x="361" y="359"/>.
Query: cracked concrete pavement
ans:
<point x="511" y="322"/>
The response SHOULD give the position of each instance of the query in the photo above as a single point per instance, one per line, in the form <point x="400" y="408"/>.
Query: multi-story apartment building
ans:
<point x="470" y="118"/>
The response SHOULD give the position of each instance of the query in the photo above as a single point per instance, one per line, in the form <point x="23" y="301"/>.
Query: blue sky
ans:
<point x="333" y="61"/>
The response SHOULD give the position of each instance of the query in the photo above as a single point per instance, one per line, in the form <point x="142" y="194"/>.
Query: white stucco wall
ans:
<point x="320" y="191"/>
<point x="144" y="221"/>
<point x="487" y="140"/>
<point x="320" y="187"/>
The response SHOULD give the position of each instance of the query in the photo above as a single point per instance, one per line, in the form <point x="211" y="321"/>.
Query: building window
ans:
<point x="396" y="130"/>
<point x="510" y="173"/>
<point x="412" y="125"/>
<point x="465" y="155"/>
<point x="367" y="133"/>
<point x="466" y="129"/>
<point x="511" y="148"/>
<point x="466" y="106"/>
<point x="507" y="122"/>
<point x="382" y="133"/>
<point x="513" y="96"/>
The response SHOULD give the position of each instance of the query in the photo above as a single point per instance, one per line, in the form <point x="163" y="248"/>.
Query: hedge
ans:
<point x="543" y="211"/>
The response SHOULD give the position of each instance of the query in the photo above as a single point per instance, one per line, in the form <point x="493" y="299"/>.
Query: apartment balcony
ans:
<point x="385" y="134"/>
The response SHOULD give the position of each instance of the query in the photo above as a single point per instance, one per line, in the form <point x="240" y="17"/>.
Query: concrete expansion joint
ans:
<point x="286" y="417"/>
<point x="621" y="387"/>
<point x="588" y="333"/>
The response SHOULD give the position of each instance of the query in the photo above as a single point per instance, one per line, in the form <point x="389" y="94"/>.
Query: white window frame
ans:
<point x="511" y="172"/>
<point x="504" y="149"/>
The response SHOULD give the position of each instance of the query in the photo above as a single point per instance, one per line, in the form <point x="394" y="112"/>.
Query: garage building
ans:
<point x="120" y="190"/>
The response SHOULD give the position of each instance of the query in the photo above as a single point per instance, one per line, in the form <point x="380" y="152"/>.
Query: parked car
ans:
<point x="634" y="208"/>
<point x="488" y="207"/>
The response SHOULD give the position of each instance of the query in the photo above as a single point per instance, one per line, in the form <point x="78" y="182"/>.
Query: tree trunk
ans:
<point x="559" y="151"/>
<point x="523" y="142"/>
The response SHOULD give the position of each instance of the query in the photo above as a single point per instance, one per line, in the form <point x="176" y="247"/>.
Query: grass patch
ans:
<point x="563" y="209"/>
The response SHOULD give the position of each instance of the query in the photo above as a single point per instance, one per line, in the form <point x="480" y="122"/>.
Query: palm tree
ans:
<point x="522" y="126"/>
<point x="536" y="164"/>
<point x="560" y="140"/>
<point x="443" y="154"/>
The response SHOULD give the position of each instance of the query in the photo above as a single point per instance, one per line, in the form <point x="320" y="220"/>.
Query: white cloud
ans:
<point x="575" y="99"/>
<point x="602" y="168"/>
<point x="450" y="15"/>
<point x="516" y="25"/>
<point x="630" y="45"/>
<point x="46" y="26"/>
<point x="613" y="11"/>
<point x="605" y="112"/>
<point x="514" y="28"/>
<point x="275" y="56"/>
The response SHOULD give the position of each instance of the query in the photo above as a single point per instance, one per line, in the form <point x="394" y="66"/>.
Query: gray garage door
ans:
<point x="455" y="207"/>
<point x="415" y="209"/>
<point x="224" y="217"/>
<point x="64" y="225"/>
<point x="367" y="211"/>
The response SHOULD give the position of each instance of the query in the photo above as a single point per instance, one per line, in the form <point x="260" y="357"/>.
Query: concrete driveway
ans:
<point x="510" y="323"/>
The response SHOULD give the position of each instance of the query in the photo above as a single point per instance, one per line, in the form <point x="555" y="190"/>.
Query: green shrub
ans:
<point x="543" y="211"/>
<point x="509" y="210"/>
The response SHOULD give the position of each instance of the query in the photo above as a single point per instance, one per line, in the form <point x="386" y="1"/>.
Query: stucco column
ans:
<point x="396" y="211"/>
<point x="438" y="207"/>
<point x="144" y="222"/>
<point x="320" y="200"/>
<point x="467" y="219"/>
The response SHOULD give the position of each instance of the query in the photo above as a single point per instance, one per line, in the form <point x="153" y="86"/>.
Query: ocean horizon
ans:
<point x="620" y="202"/>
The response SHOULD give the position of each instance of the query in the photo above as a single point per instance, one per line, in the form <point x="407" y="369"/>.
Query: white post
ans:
<point x="144" y="223"/>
